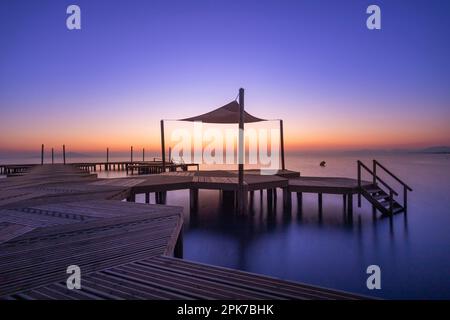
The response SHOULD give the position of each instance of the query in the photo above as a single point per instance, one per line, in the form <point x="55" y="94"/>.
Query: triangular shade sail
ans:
<point x="229" y="113"/>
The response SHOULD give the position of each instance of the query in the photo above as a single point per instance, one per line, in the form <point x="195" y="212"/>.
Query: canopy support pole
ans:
<point x="282" y="145"/>
<point x="241" y="154"/>
<point x="131" y="154"/>
<point x="163" y="148"/>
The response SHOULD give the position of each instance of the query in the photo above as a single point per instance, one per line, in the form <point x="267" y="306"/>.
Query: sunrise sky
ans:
<point x="336" y="84"/>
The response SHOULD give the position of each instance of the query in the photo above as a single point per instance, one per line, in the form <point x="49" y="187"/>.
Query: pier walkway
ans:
<point x="55" y="216"/>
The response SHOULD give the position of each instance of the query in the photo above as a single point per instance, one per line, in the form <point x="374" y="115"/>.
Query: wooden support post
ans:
<point x="391" y="202"/>
<point x="64" y="153"/>
<point x="374" y="170"/>
<point x="286" y="198"/>
<point x="147" y="197"/>
<point x="53" y="156"/>
<point x="178" y="250"/>
<point x="350" y="204"/>
<point x="107" y="157"/>
<point x="320" y="203"/>
<point x="131" y="197"/>
<point x="269" y="193"/>
<point x="405" y="199"/>
<point x="344" y="197"/>
<point x="359" y="185"/>
<point x="252" y="200"/>
<point x="299" y="204"/>
<point x="42" y="154"/>
<point x="163" y="147"/>
<point x="299" y="199"/>
<point x="241" y="155"/>
<point x="229" y="198"/>
<point x="193" y="199"/>
<point x="245" y="199"/>
<point x="143" y="154"/>
<point x="170" y="154"/>
<point x="131" y="151"/>
<point x="282" y="145"/>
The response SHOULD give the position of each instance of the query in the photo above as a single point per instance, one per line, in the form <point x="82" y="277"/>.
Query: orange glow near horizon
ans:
<point x="323" y="134"/>
<point x="335" y="88"/>
<point x="337" y="126"/>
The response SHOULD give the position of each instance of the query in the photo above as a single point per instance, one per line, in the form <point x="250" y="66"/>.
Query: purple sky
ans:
<point x="313" y="63"/>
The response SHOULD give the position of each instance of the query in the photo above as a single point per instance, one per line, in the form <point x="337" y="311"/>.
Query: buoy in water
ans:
<point x="323" y="164"/>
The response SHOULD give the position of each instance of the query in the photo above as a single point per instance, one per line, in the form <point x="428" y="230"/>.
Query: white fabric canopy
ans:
<point x="229" y="113"/>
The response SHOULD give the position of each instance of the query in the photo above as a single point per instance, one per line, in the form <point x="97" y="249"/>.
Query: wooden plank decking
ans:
<point x="325" y="185"/>
<point x="163" y="277"/>
<point x="102" y="234"/>
<point x="56" y="216"/>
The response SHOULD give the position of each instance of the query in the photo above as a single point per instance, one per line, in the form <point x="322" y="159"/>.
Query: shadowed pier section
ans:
<point x="327" y="185"/>
<point x="55" y="216"/>
<point x="130" y="167"/>
<point x="227" y="182"/>
<point x="164" y="277"/>
<point x="53" y="184"/>
<point x="130" y="232"/>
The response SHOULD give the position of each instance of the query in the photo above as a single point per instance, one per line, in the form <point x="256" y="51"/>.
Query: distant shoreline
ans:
<point x="433" y="152"/>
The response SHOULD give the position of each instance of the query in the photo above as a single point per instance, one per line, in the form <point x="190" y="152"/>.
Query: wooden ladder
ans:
<point x="381" y="195"/>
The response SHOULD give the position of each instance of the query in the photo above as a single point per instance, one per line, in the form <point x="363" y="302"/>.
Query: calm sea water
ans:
<point x="413" y="250"/>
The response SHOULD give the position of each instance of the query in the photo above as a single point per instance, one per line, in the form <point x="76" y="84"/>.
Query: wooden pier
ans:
<point x="15" y="169"/>
<point x="168" y="178"/>
<point x="154" y="166"/>
<point x="59" y="215"/>
<point x="136" y="167"/>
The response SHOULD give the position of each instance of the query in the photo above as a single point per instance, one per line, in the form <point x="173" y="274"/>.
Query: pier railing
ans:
<point x="406" y="188"/>
<point x="376" y="180"/>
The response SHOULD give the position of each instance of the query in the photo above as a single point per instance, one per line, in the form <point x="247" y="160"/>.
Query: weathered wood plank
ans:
<point x="325" y="185"/>
<point x="171" y="278"/>
<point x="55" y="216"/>
<point x="42" y="255"/>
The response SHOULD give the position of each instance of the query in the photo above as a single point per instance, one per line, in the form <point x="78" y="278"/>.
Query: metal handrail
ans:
<point x="360" y="164"/>
<point x="376" y="163"/>
<point x="376" y="179"/>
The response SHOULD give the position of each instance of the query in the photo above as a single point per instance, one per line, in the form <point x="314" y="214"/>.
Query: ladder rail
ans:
<point x="406" y="188"/>
<point x="362" y="165"/>
<point x="376" y="163"/>
<point x="376" y="179"/>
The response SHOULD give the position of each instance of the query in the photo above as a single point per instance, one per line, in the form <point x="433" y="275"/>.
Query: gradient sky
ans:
<point x="312" y="63"/>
